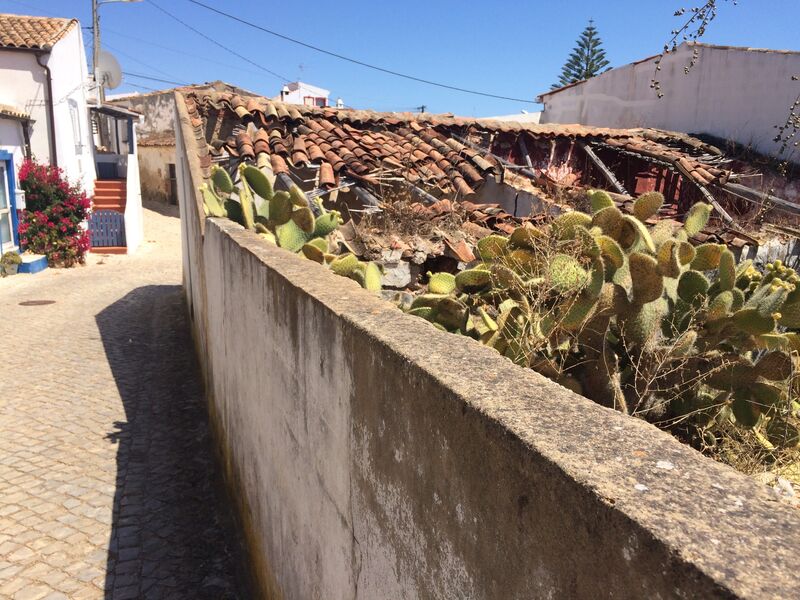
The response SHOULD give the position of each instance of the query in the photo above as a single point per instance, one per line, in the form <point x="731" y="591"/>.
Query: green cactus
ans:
<point x="298" y="197"/>
<point x="491" y="246"/>
<point x="258" y="181"/>
<point x="566" y="274"/>
<point x="290" y="236"/>
<point x="473" y="280"/>
<point x="564" y="225"/>
<point x="246" y="201"/>
<point x="647" y="205"/>
<point x="221" y="179"/>
<point x="345" y="265"/>
<point x="609" y="220"/>
<point x="696" y="219"/>
<point x="691" y="285"/>
<point x="599" y="200"/>
<point x="707" y="257"/>
<point x="646" y="282"/>
<point x="212" y="202"/>
<point x="280" y="208"/>
<point x="442" y="283"/>
<point x="304" y="219"/>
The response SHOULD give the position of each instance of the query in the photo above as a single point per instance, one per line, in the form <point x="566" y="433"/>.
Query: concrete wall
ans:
<point x="373" y="456"/>
<point x="25" y="87"/>
<point x="154" y="164"/>
<point x="734" y="94"/>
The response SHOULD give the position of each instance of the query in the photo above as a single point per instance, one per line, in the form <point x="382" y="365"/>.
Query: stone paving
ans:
<point x="108" y="488"/>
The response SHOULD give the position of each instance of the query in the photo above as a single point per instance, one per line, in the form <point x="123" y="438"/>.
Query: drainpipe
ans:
<point x="50" y="111"/>
<point x="51" y="128"/>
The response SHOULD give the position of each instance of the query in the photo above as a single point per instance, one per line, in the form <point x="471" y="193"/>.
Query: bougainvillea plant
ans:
<point x="53" y="222"/>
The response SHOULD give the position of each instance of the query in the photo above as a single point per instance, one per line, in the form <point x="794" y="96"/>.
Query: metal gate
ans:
<point x="107" y="228"/>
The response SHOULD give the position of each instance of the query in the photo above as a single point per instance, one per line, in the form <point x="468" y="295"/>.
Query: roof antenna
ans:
<point x="421" y="108"/>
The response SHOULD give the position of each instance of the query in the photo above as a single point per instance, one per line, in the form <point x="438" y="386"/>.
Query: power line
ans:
<point x="133" y="58"/>
<point x="353" y="60"/>
<point x="216" y="43"/>
<point x="153" y="78"/>
<point x="177" y="51"/>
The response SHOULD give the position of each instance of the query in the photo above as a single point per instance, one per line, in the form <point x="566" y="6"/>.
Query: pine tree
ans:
<point x="587" y="59"/>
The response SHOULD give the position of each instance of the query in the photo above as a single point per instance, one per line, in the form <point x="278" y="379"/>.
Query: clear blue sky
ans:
<point x="506" y="48"/>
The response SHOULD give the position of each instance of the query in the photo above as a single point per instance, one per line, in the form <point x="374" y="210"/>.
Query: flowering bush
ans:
<point x="52" y="223"/>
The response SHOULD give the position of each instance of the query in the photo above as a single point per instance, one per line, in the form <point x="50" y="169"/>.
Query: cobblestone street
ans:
<point x="108" y="488"/>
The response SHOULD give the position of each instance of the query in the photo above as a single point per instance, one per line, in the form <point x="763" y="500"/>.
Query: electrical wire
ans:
<point x="153" y="78"/>
<point x="177" y="51"/>
<point x="353" y="60"/>
<point x="136" y="60"/>
<point x="216" y="43"/>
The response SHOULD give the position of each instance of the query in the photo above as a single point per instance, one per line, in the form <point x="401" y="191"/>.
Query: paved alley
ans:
<point x="107" y="484"/>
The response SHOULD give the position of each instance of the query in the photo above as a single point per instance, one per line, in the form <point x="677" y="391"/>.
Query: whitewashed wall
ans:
<point x="11" y="139"/>
<point x="24" y="86"/>
<point x="731" y="93"/>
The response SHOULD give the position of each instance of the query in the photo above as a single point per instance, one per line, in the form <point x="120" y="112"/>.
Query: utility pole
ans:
<point x="101" y="93"/>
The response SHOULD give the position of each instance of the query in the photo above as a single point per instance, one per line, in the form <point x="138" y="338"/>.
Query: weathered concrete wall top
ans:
<point x="377" y="457"/>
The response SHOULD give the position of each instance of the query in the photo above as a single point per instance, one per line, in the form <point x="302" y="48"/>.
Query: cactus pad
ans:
<point x="491" y="246"/>
<point x="280" y="208"/>
<point x="707" y="256"/>
<point x="646" y="282"/>
<point x="599" y="200"/>
<point x="691" y="285"/>
<point x="750" y="321"/>
<point x="564" y="225"/>
<point x="258" y="182"/>
<point x="304" y="219"/>
<point x="290" y="236"/>
<point x="609" y="220"/>
<point x="297" y="196"/>
<point x="442" y="283"/>
<point x="696" y="219"/>
<point x="221" y="179"/>
<point x="472" y="280"/>
<point x="566" y="274"/>
<point x="647" y="205"/>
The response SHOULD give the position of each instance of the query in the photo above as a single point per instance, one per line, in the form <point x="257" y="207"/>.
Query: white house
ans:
<point x="736" y="94"/>
<point x="298" y="92"/>
<point x="43" y="73"/>
<point x="45" y="113"/>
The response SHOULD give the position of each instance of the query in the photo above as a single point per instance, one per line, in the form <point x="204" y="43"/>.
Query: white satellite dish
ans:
<point x="109" y="73"/>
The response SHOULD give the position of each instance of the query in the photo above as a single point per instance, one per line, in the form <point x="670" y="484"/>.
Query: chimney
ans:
<point x="284" y="93"/>
<point x="339" y="103"/>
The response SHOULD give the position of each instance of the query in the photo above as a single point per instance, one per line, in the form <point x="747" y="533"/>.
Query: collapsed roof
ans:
<point x="437" y="157"/>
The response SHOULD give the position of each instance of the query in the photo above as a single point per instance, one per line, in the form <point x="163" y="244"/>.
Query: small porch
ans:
<point x="116" y="221"/>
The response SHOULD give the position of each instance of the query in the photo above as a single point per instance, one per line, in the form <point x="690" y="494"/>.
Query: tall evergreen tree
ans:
<point x="587" y="59"/>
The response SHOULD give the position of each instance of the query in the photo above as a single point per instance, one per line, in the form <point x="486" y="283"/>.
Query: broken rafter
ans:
<point x="708" y="196"/>
<point x="607" y="173"/>
<point x="755" y="196"/>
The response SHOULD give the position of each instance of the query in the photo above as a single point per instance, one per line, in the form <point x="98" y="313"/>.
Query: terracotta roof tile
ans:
<point x="35" y="33"/>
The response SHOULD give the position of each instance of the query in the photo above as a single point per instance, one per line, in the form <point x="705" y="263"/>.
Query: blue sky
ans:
<point x="506" y="48"/>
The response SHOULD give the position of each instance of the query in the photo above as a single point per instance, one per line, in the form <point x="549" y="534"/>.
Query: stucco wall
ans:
<point x="25" y="87"/>
<point x="374" y="456"/>
<point x="730" y="93"/>
<point x="154" y="164"/>
<point x="11" y="139"/>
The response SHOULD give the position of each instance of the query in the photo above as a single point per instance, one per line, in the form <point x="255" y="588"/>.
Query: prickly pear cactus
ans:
<point x="283" y="218"/>
<point x="633" y="316"/>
